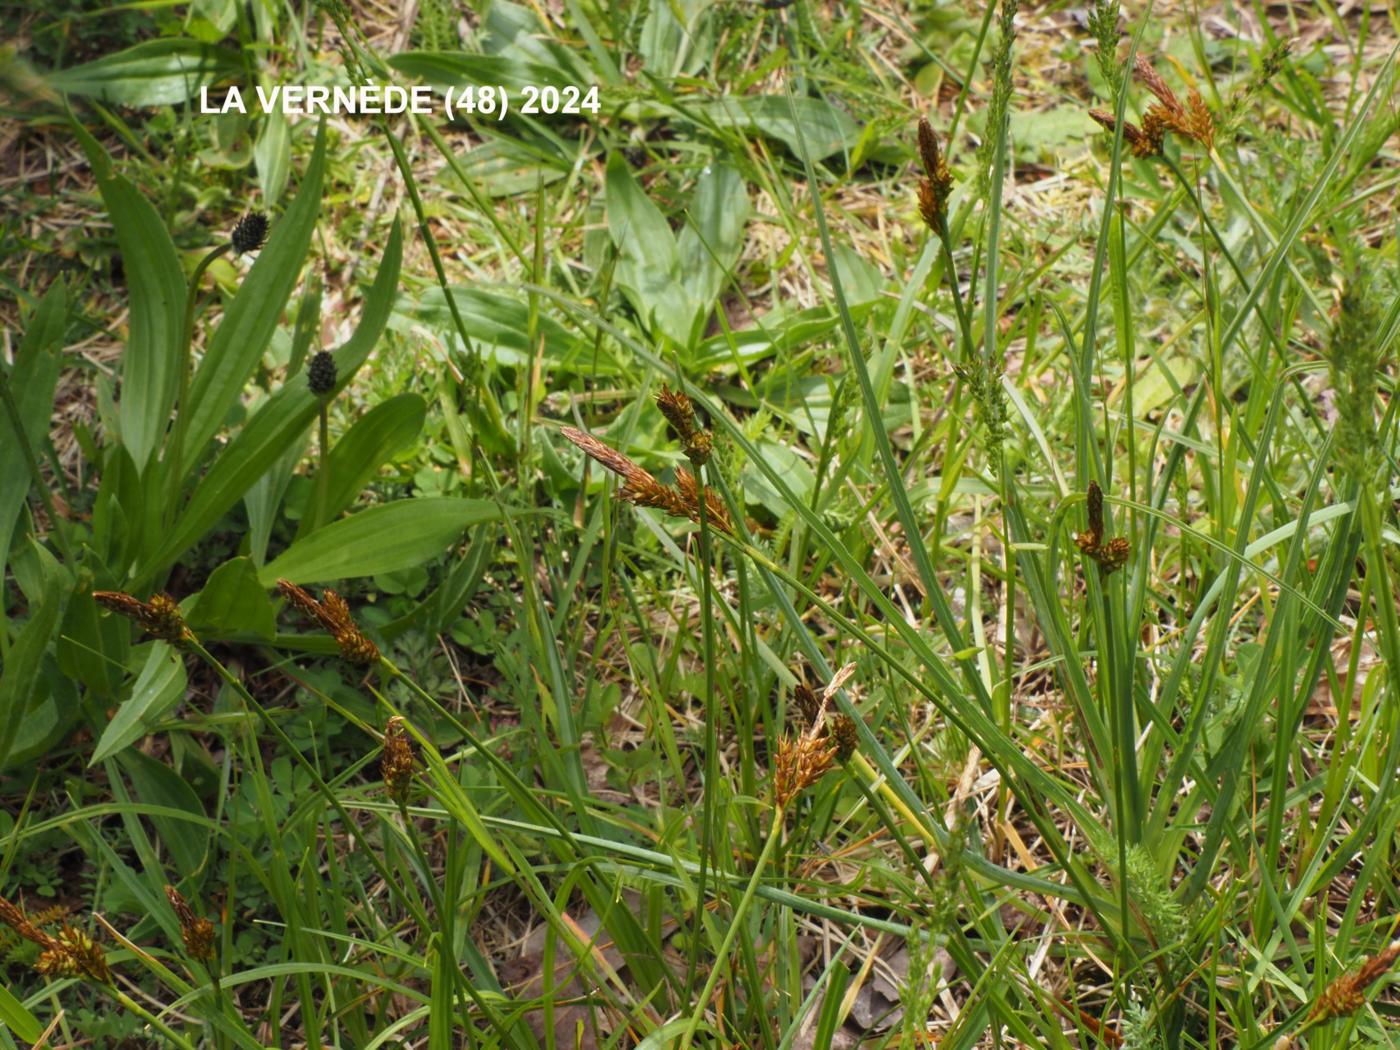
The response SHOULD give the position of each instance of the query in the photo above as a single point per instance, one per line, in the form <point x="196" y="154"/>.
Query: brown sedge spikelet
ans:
<point x="1112" y="555"/>
<point x="1141" y="142"/>
<point x="70" y="954"/>
<point x="715" y="510"/>
<point x="1347" y="993"/>
<point x="13" y="917"/>
<point x="396" y="761"/>
<point x="1193" y="119"/>
<point x="643" y="490"/>
<point x="937" y="183"/>
<point x="160" y="617"/>
<point x="800" y="761"/>
<point x="332" y="613"/>
<point x="808" y="706"/>
<point x="812" y="716"/>
<point x="74" y="954"/>
<point x="676" y="406"/>
<point x="844" y="737"/>
<point x="798" y="764"/>
<point x="196" y="931"/>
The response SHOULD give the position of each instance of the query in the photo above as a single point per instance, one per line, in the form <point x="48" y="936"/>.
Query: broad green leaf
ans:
<point x="158" y="688"/>
<point x="50" y="716"/>
<point x="649" y="268"/>
<point x="517" y="32"/>
<point x="860" y="279"/>
<point x="825" y="129"/>
<point x="156" y="295"/>
<point x="385" y="429"/>
<point x="794" y="469"/>
<point x="251" y="319"/>
<point x="776" y="332"/>
<point x="263" y="500"/>
<point x="499" y="326"/>
<point x="386" y="538"/>
<point x="32" y="379"/>
<point x="93" y="646"/>
<point x="153" y="73"/>
<point x="17" y="1018"/>
<point x="710" y="242"/>
<point x="22" y="662"/>
<point x="233" y="602"/>
<point x="156" y="784"/>
<point x="278" y="423"/>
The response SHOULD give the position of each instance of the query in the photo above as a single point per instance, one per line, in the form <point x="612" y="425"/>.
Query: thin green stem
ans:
<point x="131" y="1006"/>
<point x="318" y="505"/>
<point x="736" y="923"/>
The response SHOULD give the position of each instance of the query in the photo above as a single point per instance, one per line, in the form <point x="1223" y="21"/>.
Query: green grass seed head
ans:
<point x="1353" y="359"/>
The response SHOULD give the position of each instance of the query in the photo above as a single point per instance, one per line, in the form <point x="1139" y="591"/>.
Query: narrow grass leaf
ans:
<point x="15" y="1016"/>
<point x="21" y="670"/>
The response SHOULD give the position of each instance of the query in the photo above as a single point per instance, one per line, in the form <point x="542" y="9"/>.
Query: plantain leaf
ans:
<point x="158" y="688"/>
<point x="366" y="446"/>
<point x="251" y="319"/>
<point x="156" y="784"/>
<point x="825" y="130"/>
<point x="649" y="267"/>
<point x="273" y="155"/>
<point x="459" y="69"/>
<point x="156" y="295"/>
<point x="34" y="375"/>
<point x="233" y="602"/>
<point x="386" y="538"/>
<point x="710" y="242"/>
<point x="153" y="73"/>
<point x="278" y="423"/>
<point x="21" y="668"/>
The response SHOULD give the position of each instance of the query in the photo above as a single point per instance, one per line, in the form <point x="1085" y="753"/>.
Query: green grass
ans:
<point x="1099" y="796"/>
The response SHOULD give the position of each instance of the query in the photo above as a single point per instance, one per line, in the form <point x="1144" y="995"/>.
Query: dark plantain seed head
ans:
<point x="249" y="234"/>
<point x="320" y="373"/>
